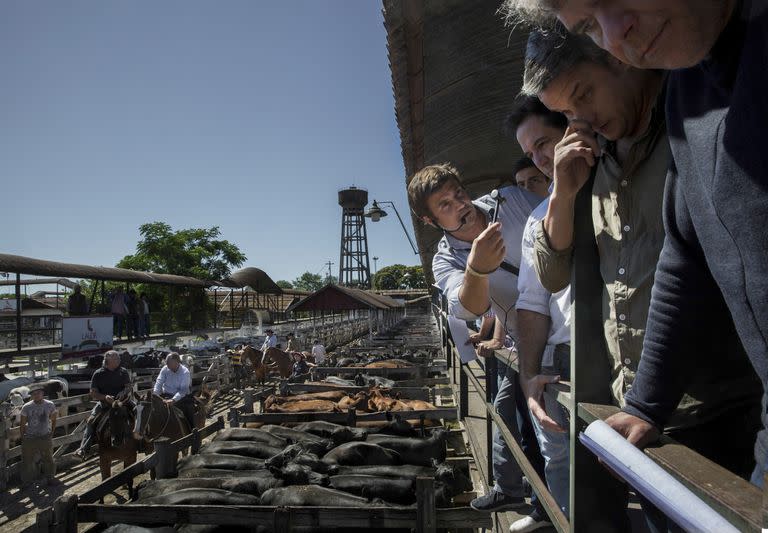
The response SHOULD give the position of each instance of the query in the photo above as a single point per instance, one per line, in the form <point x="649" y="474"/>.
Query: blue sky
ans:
<point x="249" y="115"/>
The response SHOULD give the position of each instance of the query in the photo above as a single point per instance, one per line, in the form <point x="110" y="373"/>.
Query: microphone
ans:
<point x="463" y="221"/>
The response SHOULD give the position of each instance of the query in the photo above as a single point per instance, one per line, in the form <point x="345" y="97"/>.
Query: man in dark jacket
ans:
<point x="716" y="246"/>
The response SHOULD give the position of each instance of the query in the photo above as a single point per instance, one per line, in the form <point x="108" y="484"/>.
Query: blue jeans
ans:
<point x="510" y="404"/>
<point x="555" y="447"/>
<point x="757" y="477"/>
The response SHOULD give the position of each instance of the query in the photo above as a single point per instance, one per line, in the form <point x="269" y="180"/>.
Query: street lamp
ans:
<point x="375" y="213"/>
<point x="375" y="267"/>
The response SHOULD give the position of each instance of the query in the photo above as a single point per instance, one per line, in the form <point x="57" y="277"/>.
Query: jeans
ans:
<point x="757" y="477"/>
<point x="140" y="327"/>
<point x="30" y="447"/>
<point x="146" y="325"/>
<point x="510" y="404"/>
<point x="555" y="447"/>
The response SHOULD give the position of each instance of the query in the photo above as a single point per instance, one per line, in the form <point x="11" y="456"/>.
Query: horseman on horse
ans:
<point x="108" y="384"/>
<point x="174" y="385"/>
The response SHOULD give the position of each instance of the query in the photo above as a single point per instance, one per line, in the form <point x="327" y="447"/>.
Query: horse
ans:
<point x="155" y="418"/>
<point x="282" y="359"/>
<point x="255" y="358"/>
<point x="116" y="443"/>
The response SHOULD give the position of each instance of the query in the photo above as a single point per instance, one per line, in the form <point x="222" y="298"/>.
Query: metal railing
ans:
<point x="738" y="501"/>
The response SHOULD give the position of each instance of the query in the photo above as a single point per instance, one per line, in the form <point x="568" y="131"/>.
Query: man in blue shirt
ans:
<point x="476" y="268"/>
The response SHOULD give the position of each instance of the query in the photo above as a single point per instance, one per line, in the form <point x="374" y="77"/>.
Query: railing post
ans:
<point x="352" y="417"/>
<point x="167" y="455"/>
<point x="65" y="514"/>
<point x="426" y="512"/>
<point x="4" y="426"/>
<point x="463" y="393"/>
<point x="248" y="401"/>
<point x="490" y="394"/>
<point x="234" y="417"/>
<point x="196" y="441"/>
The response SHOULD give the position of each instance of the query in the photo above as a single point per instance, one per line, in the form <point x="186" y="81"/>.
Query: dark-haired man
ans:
<point x="529" y="177"/>
<point x="476" y="268"/>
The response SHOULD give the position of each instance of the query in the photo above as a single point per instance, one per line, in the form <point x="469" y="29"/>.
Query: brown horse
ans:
<point x="115" y="440"/>
<point x="282" y="359"/>
<point x="155" y="418"/>
<point x="255" y="358"/>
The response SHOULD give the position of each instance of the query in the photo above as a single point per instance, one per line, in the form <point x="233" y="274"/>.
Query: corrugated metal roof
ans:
<point x="455" y="73"/>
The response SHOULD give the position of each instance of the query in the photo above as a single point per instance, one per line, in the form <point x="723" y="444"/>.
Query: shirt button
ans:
<point x="624" y="183"/>
<point x="622" y="316"/>
<point x="626" y="228"/>
<point x="627" y="361"/>
<point x="621" y="271"/>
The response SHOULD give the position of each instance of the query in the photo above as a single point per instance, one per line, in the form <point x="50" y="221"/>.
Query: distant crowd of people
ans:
<point x="130" y="311"/>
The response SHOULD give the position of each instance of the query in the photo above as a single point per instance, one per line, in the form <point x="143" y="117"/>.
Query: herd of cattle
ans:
<point x="375" y="399"/>
<point x="312" y="464"/>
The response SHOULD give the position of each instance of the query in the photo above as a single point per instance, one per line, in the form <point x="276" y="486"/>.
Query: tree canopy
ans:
<point x="399" y="277"/>
<point x="196" y="252"/>
<point x="284" y="284"/>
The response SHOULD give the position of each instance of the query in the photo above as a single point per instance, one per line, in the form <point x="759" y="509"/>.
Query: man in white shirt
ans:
<point x="270" y="341"/>
<point x="174" y="384"/>
<point x="476" y="268"/>
<point x="318" y="352"/>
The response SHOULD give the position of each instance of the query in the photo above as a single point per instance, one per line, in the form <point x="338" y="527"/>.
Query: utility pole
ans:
<point x="329" y="264"/>
<point x="375" y="268"/>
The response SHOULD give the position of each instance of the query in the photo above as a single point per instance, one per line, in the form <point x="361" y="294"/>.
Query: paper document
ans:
<point x="460" y="334"/>
<point x="652" y="481"/>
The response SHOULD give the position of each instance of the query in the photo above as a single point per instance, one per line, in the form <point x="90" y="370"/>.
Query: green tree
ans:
<point x="399" y="277"/>
<point x="196" y="252"/>
<point x="308" y="282"/>
<point x="283" y="284"/>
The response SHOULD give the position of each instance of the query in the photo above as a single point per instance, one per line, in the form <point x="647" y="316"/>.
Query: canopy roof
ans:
<point x="255" y="278"/>
<point x="340" y="298"/>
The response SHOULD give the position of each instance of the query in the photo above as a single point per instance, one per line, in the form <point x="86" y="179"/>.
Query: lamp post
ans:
<point x="375" y="267"/>
<point x="375" y="213"/>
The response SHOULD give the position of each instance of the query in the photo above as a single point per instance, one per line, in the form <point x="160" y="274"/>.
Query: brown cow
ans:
<point x="389" y="363"/>
<point x="380" y="402"/>
<point x="359" y="401"/>
<point x="316" y="406"/>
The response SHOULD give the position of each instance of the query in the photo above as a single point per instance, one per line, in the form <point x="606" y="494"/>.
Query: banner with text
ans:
<point x="86" y="335"/>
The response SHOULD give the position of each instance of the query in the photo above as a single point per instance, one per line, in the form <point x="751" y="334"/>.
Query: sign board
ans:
<point x="7" y="305"/>
<point x="83" y="336"/>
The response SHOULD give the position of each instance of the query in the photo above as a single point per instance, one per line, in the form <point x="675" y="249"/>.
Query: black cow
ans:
<point x="247" y="485"/>
<point x="312" y="443"/>
<point x="258" y="450"/>
<point x="415" y="451"/>
<point x="252" y="435"/>
<point x="220" y="461"/>
<point x="361" y="453"/>
<point x="204" y="496"/>
<point x="337" y="433"/>
<point x="311" y="495"/>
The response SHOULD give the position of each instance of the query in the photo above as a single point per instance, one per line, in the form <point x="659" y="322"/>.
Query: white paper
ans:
<point x="460" y="334"/>
<point x="652" y="481"/>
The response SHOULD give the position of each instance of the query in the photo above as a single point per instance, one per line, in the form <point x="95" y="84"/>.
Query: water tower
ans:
<point x="354" y="267"/>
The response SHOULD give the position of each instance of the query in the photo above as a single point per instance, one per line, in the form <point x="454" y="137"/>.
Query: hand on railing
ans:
<point x="487" y="348"/>
<point x="636" y="430"/>
<point x="533" y="389"/>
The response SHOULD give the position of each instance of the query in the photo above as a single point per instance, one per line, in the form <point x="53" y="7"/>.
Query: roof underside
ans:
<point x="455" y="72"/>
<point x="340" y="298"/>
<point x="255" y="278"/>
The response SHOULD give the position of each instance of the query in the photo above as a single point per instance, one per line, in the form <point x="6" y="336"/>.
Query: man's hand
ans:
<point x="486" y="348"/>
<point x="475" y="338"/>
<point x="109" y="399"/>
<point x="487" y="250"/>
<point x="169" y="401"/>
<point x="575" y="154"/>
<point x="533" y="389"/>
<point x="636" y="430"/>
